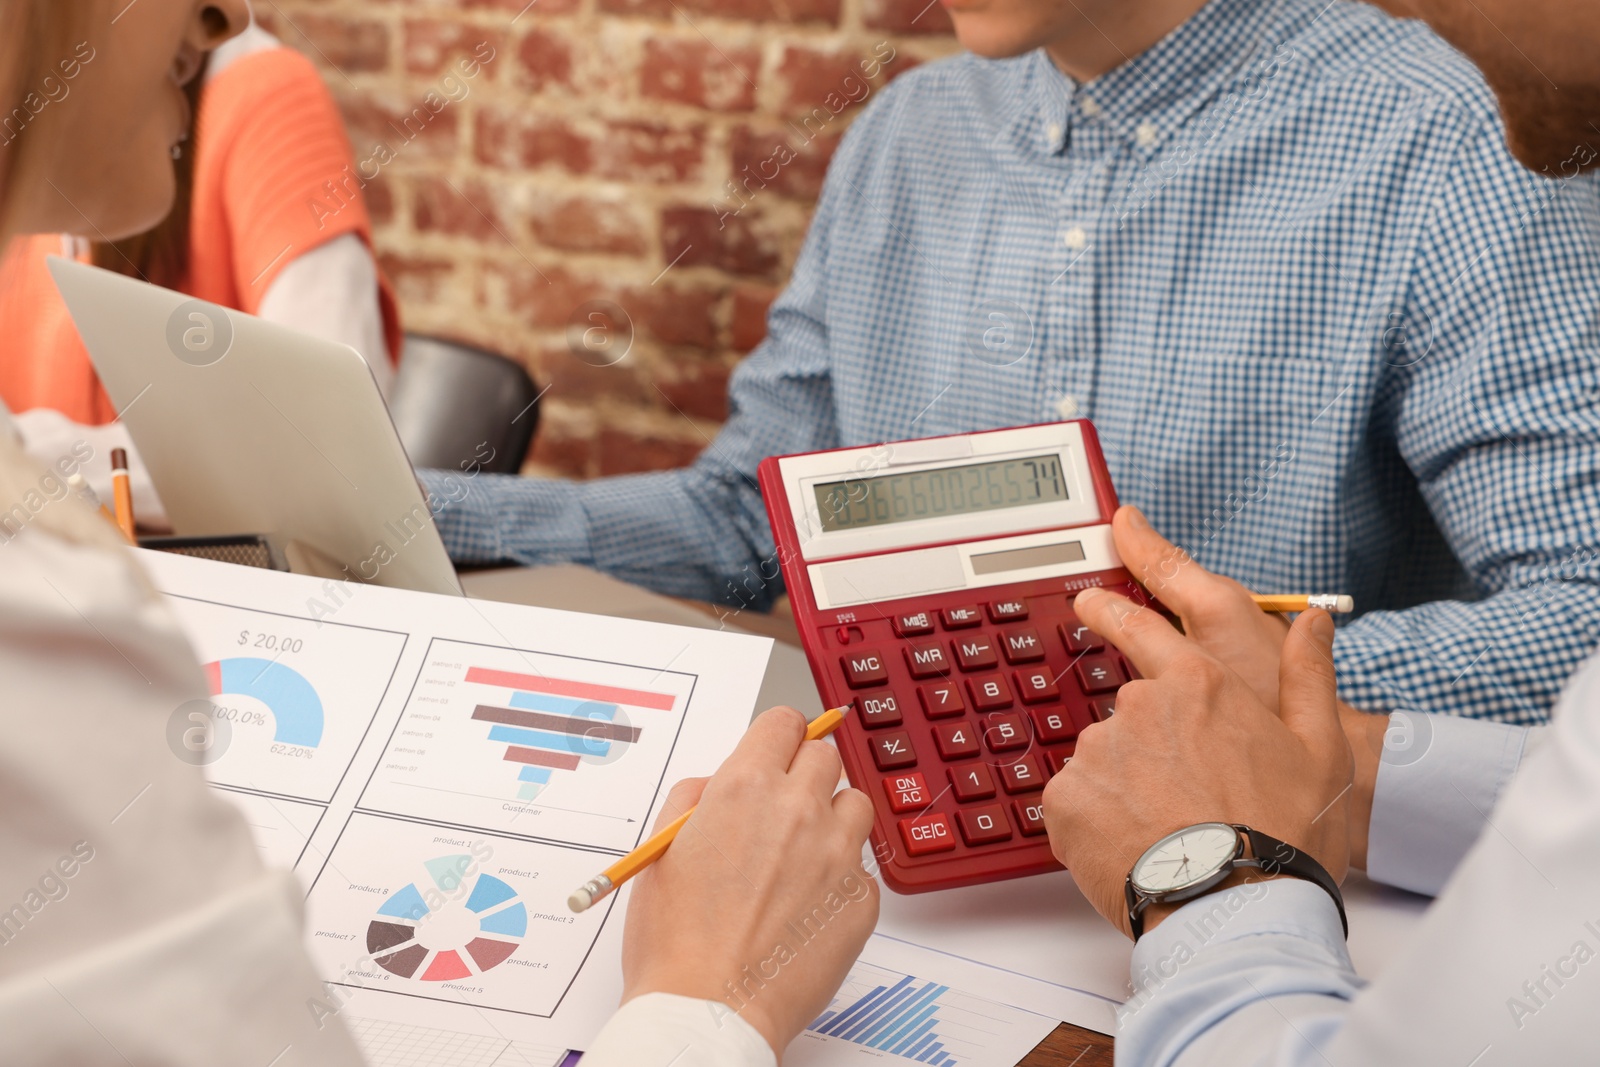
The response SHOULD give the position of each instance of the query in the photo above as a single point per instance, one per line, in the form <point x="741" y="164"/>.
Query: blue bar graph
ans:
<point x="582" y="709"/>
<point x="901" y="1019"/>
<point x="582" y="746"/>
<point x="534" y="774"/>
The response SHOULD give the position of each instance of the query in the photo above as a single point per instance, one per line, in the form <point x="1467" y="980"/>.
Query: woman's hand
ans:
<point x="761" y="904"/>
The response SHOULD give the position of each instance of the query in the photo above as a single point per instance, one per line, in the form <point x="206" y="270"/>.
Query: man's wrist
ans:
<point x="1240" y="876"/>
<point x="1365" y="731"/>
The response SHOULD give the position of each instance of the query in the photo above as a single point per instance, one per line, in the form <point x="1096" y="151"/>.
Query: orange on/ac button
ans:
<point x="927" y="833"/>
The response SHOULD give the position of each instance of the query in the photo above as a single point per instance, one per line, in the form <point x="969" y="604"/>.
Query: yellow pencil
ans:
<point x="1338" y="603"/>
<point x="122" y="494"/>
<point x="601" y="885"/>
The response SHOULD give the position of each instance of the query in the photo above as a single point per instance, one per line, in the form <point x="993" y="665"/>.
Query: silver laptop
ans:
<point x="249" y="427"/>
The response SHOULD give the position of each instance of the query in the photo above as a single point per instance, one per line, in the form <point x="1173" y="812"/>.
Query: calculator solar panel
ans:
<point x="946" y="625"/>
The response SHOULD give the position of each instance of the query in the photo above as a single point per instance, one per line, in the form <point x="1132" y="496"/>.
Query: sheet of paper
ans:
<point x="1045" y="949"/>
<point x="441" y="773"/>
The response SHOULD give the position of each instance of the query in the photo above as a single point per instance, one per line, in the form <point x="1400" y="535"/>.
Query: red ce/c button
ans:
<point x="927" y="833"/>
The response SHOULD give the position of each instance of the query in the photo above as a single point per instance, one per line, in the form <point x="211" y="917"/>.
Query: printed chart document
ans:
<point x="441" y="773"/>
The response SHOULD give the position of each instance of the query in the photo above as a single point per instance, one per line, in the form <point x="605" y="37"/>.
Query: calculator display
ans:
<point x="858" y="503"/>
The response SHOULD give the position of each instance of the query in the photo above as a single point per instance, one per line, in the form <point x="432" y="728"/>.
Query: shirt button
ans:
<point x="1089" y="107"/>
<point x="1146" y="134"/>
<point x="1053" y="131"/>
<point x="1075" y="238"/>
<point x="1067" y="407"/>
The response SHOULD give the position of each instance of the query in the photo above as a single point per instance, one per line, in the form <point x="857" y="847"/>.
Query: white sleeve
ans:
<point x="137" y="922"/>
<point x="332" y="292"/>
<point x="1439" y="778"/>
<point x="1501" y="969"/>
<point x="662" y="1030"/>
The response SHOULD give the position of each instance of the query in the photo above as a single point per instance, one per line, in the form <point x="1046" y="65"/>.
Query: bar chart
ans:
<point x="880" y="1014"/>
<point x="532" y="743"/>
<point x="902" y="1019"/>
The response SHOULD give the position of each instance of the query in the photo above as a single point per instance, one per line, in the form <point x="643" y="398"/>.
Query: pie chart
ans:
<point x="447" y="924"/>
<point x="296" y="708"/>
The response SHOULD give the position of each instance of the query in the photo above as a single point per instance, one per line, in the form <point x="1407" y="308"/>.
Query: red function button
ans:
<point x="878" y="709"/>
<point x="927" y="833"/>
<point x="913" y="625"/>
<point x="1022" y="776"/>
<point x="955" y="740"/>
<point x="1102" y="708"/>
<point x="985" y="825"/>
<point x="989" y="694"/>
<point x="927" y="659"/>
<point x="975" y="653"/>
<point x="847" y="635"/>
<point x="862" y="669"/>
<point x="1054" y="725"/>
<point x="1002" y="733"/>
<point x="1100" y="674"/>
<point x="1079" y="638"/>
<point x="906" y="792"/>
<point x="973" y="782"/>
<point x="893" y="751"/>
<point x="961" y="618"/>
<point x="1030" y="816"/>
<point x="941" y="701"/>
<point x="1021" y="644"/>
<point x="1008" y="610"/>
<point x="1037" y="686"/>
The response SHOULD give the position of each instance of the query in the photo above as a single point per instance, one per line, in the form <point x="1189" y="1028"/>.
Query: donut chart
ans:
<point x="445" y="931"/>
<point x="296" y="708"/>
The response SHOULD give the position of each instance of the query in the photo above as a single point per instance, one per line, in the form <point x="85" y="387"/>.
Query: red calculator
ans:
<point x="932" y="582"/>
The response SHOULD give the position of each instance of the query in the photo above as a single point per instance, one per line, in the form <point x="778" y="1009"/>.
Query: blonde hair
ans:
<point x="38" y="33"/>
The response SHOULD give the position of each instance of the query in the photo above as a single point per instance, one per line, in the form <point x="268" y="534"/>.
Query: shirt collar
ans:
<point x="1145" y="100"/>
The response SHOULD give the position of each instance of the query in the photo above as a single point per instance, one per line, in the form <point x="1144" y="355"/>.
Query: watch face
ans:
<point x="1185" y="858"/>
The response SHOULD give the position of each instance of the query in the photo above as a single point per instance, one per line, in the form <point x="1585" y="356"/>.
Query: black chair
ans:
<point x="453" y="403"/>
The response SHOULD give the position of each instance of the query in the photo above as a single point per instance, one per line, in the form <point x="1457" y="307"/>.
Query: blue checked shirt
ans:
<point x="1332" y="336"/>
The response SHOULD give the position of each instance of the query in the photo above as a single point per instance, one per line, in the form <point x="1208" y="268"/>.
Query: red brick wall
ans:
<point x="548" y="179"/>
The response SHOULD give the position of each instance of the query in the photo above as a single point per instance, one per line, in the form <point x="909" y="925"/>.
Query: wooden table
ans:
<point x="1067" y="1045"/>
<point x="1071" y="1046"/>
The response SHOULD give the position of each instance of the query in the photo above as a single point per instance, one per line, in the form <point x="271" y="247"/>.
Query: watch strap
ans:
<point x="1276" y="857"/>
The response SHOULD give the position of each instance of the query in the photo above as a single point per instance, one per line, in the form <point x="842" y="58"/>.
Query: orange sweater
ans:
<point x="270" y="138"/>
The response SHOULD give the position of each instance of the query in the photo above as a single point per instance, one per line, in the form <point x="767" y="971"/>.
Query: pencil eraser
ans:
<point x="1346" y="604"/>
<point x="580" y="900"/>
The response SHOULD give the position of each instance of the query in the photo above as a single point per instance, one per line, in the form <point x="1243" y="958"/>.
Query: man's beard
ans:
<point x="1555" y="132"/>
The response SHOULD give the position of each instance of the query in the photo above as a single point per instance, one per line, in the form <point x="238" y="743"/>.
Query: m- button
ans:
<point x="862" y="669"/>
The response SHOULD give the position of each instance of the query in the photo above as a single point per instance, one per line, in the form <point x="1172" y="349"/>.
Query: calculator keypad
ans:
<point x="969" y="708"/>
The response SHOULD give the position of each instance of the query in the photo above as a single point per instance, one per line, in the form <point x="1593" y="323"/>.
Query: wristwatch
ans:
<point x="1198" y="858"/>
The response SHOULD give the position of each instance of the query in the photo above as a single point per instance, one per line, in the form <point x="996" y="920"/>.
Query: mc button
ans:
<point x="862" y="669"/>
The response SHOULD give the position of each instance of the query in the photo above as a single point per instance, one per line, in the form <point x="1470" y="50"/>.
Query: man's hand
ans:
<point x="1219" y="615"/>
<point x="1192" y="742"/>
<point x="761" y="903"/>
<point x="1215" y="610"/>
